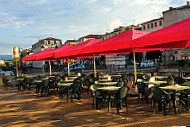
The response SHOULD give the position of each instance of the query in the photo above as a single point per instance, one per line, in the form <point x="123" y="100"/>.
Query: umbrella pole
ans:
<point x="68" y="68"/>
<point x="49" y="67"/>
<point x="135" y="69"/>
<point x="94" y="67"/>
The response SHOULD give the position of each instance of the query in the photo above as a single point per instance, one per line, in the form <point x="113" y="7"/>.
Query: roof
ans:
<point x="71" y="41"/>
<point x="50" y="38"/>
<point x="177" y="8"/>
<point x="91" y="36"/>
<point x="152" y="20"/>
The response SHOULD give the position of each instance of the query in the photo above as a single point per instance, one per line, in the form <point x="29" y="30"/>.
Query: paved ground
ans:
<point x="26" y="108"/>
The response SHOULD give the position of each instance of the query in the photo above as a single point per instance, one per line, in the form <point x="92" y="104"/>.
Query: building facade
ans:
<point x="174" y="15"/>
<point x="44" y="44"/>
<point x="152" y="25"/>
<point x="171" y="16"/>
<point x="71" y="42"/>
<point x="88" y="37"/>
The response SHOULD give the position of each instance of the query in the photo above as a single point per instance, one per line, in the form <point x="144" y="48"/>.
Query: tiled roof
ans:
<point x="91" y="36"/>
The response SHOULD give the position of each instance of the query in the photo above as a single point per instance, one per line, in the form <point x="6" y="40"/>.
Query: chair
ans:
<point x="45" y="85"/>
<point x="95" y="95"/>
<point x="28" y="82"/>
<point x="161" y="97"/>
<point x="143" y="91"/>
<point x="185" y="95"/>
<point x="121" y="95"/>
<point x="120" y="84"/>
<point x="76" y="89"/>
<point x="179" y="80"/>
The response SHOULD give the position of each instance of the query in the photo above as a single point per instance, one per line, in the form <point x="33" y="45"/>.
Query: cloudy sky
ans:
<point x="24" y="22"/>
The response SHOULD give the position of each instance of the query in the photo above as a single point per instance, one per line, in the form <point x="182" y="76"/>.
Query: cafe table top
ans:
<point x="51" y="76"/>
<point x="38" y="81"/>
<point x="105" y="80"/>
<point x="19" y="79"/>
<point x="155" y="82"/>
<point x="109" y="88"/>
<point x="72" y="77"/>
<point x="175" y="87"/>
<point x="64" y="84"/>
<point x="106" y="83"/>
<point x="67" y="81"/>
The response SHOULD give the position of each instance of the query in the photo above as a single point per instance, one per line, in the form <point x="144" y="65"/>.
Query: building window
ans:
<point x="144" y="27"/>
<point x="152" y="25"/>
<point x="55" y="42"/>
<point x="160" y="23"/>
<point x="148" y="26"/>
<point x="155" y="24"/>
<point x="48" y="42"/>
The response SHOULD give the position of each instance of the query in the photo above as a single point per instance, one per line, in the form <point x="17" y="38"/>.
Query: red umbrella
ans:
<point x="117" y="44"/>
<point x="173" y="36"/>
<point x="50" y="55"/>
<point x="74" y="52"/>
<point x="34" y="56"/>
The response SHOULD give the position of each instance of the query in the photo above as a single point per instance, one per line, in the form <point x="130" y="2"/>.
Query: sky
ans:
<point x="24" y="22"/>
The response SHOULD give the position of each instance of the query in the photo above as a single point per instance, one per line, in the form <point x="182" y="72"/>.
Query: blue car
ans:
<point x="75" y="67"/>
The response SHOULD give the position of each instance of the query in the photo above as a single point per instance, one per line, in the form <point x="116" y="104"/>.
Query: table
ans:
<point x="20" y="79"/>
<point x="67" y="81"/>
<point x="107" y="83"/>
<point x="51" y="76"/>
<point x="105" y="80"/>
<point x="67" y="86"/>
<point x="109" y="90"/>
<point x="154" y="83"/>
<point x="174" y="89"/>
<point x="72" y="77"/>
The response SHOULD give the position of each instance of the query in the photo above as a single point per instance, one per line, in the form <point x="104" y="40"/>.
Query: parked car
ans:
<point x="9" y="73"/>
<point x="74" y="67"/>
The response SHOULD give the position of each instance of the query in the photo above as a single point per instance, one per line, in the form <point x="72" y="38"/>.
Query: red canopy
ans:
<point x="34" y="56"/>
<point x="173" y="36"/>
<point x="50" y="55"/>
<point x="117" y="44"/>
<point x="75" y="51"/>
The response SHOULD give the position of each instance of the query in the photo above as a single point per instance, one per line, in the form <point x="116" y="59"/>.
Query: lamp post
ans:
<point x="16" y="55"/>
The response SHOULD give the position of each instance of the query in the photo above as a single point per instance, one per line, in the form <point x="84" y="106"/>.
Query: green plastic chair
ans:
<point x="76" y="89"/>
<point x="45" y="85"/>
<point x="95" y="95"/>
<point x="120" y="84"/>
<point x="121" y="95"/>
<point x="161" y="97"/>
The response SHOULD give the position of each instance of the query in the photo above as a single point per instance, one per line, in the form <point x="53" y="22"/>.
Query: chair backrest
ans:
<point x="77" y="81"/>
<point x="120" y="84"/>
<point x="156" y="93"/>
<point x="75" y="87"/>
<point x="170" y="82"/>
<point x="186" y="83"/>
<point x="141" y="87"/>
<point x="45" y="82"/>
<point x="179" y="80"/>
<point x="94" y="87"/>
<point x="121" y="93"/>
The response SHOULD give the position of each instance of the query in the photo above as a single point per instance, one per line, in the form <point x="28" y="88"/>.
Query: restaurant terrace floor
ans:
<point x="26" y="108"/>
